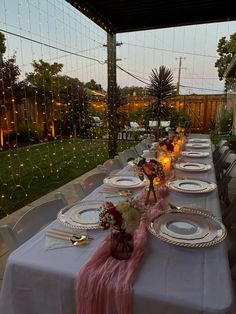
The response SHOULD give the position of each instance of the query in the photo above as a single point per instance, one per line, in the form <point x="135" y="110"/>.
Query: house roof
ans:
<point x="118" y="16"/>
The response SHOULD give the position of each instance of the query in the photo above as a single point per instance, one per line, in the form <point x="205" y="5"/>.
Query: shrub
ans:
<point x="225" y="122"/>
<point x="29" y="134"/>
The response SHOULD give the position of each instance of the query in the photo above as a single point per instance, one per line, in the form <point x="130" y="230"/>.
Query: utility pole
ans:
<point x="179" y="74"/>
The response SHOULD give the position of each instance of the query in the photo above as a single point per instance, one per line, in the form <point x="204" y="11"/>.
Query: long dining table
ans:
<point x="170" y="280"/>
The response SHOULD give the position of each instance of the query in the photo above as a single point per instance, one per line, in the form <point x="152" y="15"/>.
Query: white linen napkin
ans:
<point x="52" y="242"/>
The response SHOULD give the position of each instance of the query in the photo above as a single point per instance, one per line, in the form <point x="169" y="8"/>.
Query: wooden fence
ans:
<point x="201" y="109"/>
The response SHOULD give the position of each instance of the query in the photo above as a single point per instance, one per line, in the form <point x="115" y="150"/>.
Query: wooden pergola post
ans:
<point x="111" y="94"/>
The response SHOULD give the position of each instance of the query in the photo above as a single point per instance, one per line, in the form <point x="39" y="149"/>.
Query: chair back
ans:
<point x="30" y="223"/>
<point x="126" y="154"/>
<point x="231" y="170"/>
<point x="90" y="183"/>
<point x="112" y="164"/>
<point x="140" y="147"/>
<point x="220" y="162"/>
<point x="216" y="152"/>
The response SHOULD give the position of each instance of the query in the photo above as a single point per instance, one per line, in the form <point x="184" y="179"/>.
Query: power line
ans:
<point x="202" y="88"/>
<point x="53" y="47"/>
<point x="134" y="76"/>
<point x="173" y="51"/>
<point x="142" y="80"/>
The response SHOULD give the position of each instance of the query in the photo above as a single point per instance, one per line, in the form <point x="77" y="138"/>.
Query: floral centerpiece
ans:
<point x="152" y="169"/>
<point x="167" y="145"/>
<point x="124" y="218"/>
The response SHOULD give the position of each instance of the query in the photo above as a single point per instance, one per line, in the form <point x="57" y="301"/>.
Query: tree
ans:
<point x="161" y="88"/>
<point x="2" y="47"/>
<point x="134" y="91"/>
<point x="120" y="100"/>
<point x="93" y="85"/>
<point x="11" y="92"/>
<point x="226" y="50"/>
<point x="45" y="84"/>
<point x="75" y="96"/>
<point x="44" y="78"/>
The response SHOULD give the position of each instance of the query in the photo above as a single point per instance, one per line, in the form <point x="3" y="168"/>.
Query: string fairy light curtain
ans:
<point x="53" y="79"/>
<point x="51" y="72"/>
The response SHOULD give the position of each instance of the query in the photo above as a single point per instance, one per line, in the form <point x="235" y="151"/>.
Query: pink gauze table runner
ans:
<point x="105" y="285"/>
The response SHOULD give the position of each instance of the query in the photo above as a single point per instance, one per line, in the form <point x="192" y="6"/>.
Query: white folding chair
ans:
<point x="224" y="151"/>
<point x="112" y="165"/>
<point x="225" y="175"/>
<point x="140" y="147"/>
<point x="216" y="153"/>
<point x="126" y="155"/>
<point x="31" y="223"/>
<point x="90" y="183"/>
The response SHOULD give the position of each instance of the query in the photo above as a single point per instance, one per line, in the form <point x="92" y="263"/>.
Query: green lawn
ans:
<point x="28" y="173"/>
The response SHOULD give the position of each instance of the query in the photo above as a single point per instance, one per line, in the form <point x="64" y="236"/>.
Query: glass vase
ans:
<point x="150" y="190"/>
<point x="122" y="244"/>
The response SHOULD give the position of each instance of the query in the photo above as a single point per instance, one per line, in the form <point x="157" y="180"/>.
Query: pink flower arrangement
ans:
<point x="151" y="169"/>
<point x="126" y="215"/>
<point x="167" y="146"/>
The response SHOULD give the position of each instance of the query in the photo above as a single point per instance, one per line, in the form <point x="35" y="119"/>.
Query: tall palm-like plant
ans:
<point x="161" y="88"/>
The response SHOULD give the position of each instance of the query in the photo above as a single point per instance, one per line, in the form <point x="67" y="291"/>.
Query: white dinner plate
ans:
<point x="128" y="182"/>
<point x="197" y="145"/>
<point x="192" y="166"/>
<point x="194" y="154"/>
<point x="83" y="215"/>
<point x="188" y="227"/>
<point x="191" y="186"/>
<point x="183" y="226"/>
<point x="198" y="140"/>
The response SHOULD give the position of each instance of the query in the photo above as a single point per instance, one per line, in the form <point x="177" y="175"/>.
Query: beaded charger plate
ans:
<point x="125" y="182"/>
<point x="191" y="186"/>
<point x="198" y="140"/>
<point x="194" y="154"/>
<point x="83" y="215"/>
<point x="188" y="227"/>
<point x="193" y="166"/>
<point x="197" y="145"/>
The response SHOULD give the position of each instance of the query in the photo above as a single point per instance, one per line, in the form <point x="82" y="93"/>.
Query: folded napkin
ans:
<point x="53" y="243"/>
<point x="60" y="238"/>
<point x="104" y="284"/>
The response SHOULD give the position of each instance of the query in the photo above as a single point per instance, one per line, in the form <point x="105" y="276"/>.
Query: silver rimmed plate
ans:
<point x="193" y="166"/>
<point x="198" y="140"/>
<point x="128" y="182"/>
<point x="194" y="154"/>
<point x="197" y="145"/>
<point x="191" y="186"/>
<point x="188" y="227"/>
<point x="83" y="215"/>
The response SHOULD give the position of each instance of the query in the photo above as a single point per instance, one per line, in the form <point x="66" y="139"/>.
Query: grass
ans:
<point x="31" y="172"/>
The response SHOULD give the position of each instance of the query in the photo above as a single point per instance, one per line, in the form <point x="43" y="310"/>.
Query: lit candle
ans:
<point x="176" y="150"/>
<point x="179" y="142"/>
<point x="156" y="181"/>
<point x="166" y="162"/>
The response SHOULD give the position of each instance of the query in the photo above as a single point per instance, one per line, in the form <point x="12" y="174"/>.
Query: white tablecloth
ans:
<point x="170" y="279"/>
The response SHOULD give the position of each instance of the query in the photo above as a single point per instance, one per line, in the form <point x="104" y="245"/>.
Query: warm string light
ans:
<point x="31" y="165"/>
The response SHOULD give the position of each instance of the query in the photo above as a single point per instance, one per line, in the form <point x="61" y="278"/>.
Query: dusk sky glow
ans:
<point x="59" y="25"/>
